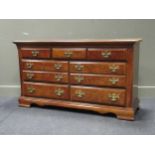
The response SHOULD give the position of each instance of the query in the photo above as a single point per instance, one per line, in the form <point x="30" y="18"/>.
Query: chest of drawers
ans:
<point x="100" y="75"/>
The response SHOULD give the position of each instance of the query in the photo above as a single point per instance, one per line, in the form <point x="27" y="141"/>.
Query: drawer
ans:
<point x="35" y="53"/>
<point x="55" y="77"/>
<point x="69" y="53"/>
<point x="106" y="54"/>
<point x="98" y="95"/>
<point x="98" y="67"/>
<point x="98" y="80"/>
<point x="45" y="90"/>
<point x="45" y="65"/>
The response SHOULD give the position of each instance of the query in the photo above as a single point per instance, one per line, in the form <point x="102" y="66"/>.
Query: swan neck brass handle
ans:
<point x="106" y="54"/>
<point x="57" y="66"/>
<point x="35" y="53"/>
<point x="68" y="54"/>
<point x="29" y="65"/>
<point x="114" y="68"/>
<point x="58" y="77"/>
<point x="79" y="78"/>
<point x="29" y="75"/>
<point x="31" y="90"/>
<point x="79" y="67"/>
<point x="113" y="97"/>
<point x="59" y="92"/>
<point x="114" y="80"/>
<point x="80" y="93"/>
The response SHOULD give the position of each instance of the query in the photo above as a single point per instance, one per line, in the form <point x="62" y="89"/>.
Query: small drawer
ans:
<point x="106" y="54"/>
<point x="98" y="95"/>
<point x="41" y="76"/>
<point x="45" y="65"/>
<point x="69" y="53"/>
<point x="116" y="68"/>
<point x="45" y="90"/>
<point x="98" y="80"/>
<point x="43" y="53"/>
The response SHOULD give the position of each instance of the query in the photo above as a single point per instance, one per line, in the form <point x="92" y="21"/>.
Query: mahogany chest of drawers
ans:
<point x="100" y="75"/>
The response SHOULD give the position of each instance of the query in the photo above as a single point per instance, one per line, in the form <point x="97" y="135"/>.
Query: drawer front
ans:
<point x="45" y="90"/>
<point x="98" y="67"/>
<point x="69" y="53"/>
<point x="98" y="80"/>
<point x="98" y="95"/>
<point x="107" y="54"/>
<point x="35" y="53"/>
<point x="41" y="76"/>
<point x="45" y="65"/>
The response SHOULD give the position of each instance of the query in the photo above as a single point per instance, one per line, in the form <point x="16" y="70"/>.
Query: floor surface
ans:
<point x="16" y="120"/>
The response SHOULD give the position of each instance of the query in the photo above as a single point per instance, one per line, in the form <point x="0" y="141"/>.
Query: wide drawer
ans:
<point x="42" y="76"/>
<point x="106" y="54"/>
<point x="35" y="53"/>
<point x="45" y="65"/>
<point x="69" y="53"/>
<point x="98" y="95"/>
<point x="98" y="80"/>
<point x="98" y="67"/>
<point x="45" y="90"/>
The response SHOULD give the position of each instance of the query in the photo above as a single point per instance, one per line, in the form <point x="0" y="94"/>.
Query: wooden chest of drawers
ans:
<point x="100" y="76"/>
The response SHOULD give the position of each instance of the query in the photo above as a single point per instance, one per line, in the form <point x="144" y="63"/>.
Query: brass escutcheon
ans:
<point x="68" y="54"/>
<point x="58" y="77"/>
<point x="79" y="78"/>
<point x="30" y="90"/>
<point x="59" y="92"/>
<point x="57" y="66"/>
<point x="29" y="65"/>
<point x="114" y="80"/>
<point x="79" y="67"/>
<point x="79" y="93"/>
<point x="113" y="97"/>
<point x="35" y="53"/>
<point x="106" y="54"/>
<point x="29" y="75"/>
<point x="114" y="68"/>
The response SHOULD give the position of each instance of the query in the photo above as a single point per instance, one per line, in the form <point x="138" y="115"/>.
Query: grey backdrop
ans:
<point x="75" y="29"/>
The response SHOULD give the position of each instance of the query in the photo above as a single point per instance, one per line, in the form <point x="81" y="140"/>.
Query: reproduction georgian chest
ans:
<point x="96" y="75"/>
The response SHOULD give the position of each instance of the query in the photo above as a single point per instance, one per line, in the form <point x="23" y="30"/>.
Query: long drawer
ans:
<point x="98" y="80"/>
<point x="45" y="65"/>
<point x="98" y="95"/>
<point x="45" y="90"/>
<point x="44" y="76"/>
<point x="117" y="68"/>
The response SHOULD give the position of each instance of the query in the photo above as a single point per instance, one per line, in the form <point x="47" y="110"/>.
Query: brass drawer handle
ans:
<point x="57" y="66"/>
<point x="31" y="90"/>
<point x="114" y="68"/>
<point x="80" y="93"/>
<point x="106" y="54"/>
<point x="58" y="77"/>
<point x="29" y="65"/>
<point x="68" y="54"/>
<point x="79" y="78"/>
<point x="59" y="92"/>
<point x="79" y="67"/>
<point x="114" y="80"/>
<point x="29" y="75"/>
<point x="35" y="53"/>
<point x="114" y="97"/>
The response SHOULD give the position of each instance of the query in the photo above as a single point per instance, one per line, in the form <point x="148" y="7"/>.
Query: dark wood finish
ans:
<point x="69" y="53"/>
<point x="114" y="68"/>
<point x="35" y="53"/>
<point x="97" y="95"/>
<point x="98" y="80"/>
<point x="99" y="75"/>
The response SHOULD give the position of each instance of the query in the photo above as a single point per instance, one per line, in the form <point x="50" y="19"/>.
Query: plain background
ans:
<point x="11" y="30"/>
